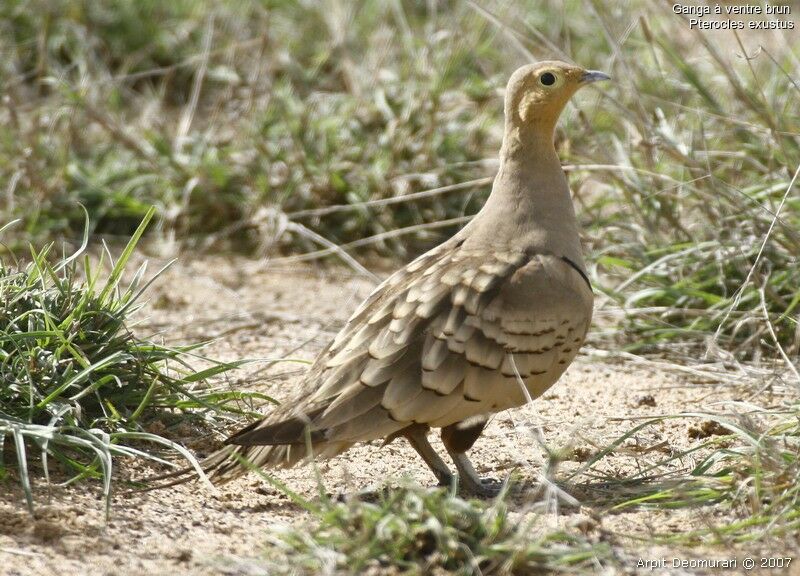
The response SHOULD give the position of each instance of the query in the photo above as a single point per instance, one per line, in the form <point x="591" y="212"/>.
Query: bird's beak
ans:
<point x="593" y="76"/>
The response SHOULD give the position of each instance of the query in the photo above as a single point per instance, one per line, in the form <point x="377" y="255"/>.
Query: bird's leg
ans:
<point x="469" y="479"/>
<point x="417" y="437"/>
<point x="457" y="439"/>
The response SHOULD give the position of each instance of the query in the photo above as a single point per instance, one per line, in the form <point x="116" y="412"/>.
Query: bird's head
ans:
<point x="537" y="93"/>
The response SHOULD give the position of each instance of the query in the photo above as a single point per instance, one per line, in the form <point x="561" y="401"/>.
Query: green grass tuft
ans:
<point x="293" y="126"/>
<point x="747" y="475"/>
<point x="77" y="384"/>
<point x="428" y="531"/>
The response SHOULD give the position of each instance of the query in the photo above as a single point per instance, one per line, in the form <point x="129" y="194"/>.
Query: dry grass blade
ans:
<point x="738" y="294"/>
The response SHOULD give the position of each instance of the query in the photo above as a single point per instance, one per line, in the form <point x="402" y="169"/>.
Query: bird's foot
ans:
<point x="470" y="482"/>
<point x="481" y="487"/>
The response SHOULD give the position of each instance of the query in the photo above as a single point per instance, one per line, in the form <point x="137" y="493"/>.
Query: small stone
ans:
<point x="581" y="454"/>
<point x="184" y="555"/>
<point x="47" y="531"/>
<point x="582" y="522"/>
<point x="708" y="428"/>
<point x="646" y="400"/>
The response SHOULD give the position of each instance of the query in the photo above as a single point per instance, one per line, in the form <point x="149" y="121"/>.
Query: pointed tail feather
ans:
<point x="262" y="444"/>
<point x="232" y="461"/>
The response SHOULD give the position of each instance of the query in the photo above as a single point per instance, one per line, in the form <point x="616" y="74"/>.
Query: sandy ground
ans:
<point x="255" y="311"/>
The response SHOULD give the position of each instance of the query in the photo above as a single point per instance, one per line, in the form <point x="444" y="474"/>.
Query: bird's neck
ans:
<point x="530" y="177"/>
<point x="530" y="141"/>
<point x="530" y="199"/>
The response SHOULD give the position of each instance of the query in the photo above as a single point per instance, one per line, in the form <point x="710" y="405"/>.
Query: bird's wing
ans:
<point x="439" y="341"/>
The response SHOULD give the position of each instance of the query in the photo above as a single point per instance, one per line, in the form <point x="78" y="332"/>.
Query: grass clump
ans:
<point x="431" y="531"/>
<point x="77" y="384"/>
<point x="695" y="210"/>
<point x="758" y="478"/>
<point x="747" y="474"/>
<point x="243" y="113"/>
<point x="300" y="125"/>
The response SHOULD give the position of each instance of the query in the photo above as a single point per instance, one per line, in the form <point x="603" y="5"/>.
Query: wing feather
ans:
<point x="433" y="344"/>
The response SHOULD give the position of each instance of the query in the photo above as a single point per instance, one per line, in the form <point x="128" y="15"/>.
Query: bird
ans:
<point x="484" y="322"/>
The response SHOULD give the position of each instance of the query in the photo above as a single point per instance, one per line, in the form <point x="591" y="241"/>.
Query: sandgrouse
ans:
<point x="451" y="338"/>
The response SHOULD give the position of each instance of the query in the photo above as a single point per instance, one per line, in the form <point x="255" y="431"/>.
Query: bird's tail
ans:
<point x="232" y="461"/>
<point x="229" y="463"/>
<point x="274" y="442"/>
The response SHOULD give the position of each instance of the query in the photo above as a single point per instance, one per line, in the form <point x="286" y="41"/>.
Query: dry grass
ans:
<point x="315" y="130"/>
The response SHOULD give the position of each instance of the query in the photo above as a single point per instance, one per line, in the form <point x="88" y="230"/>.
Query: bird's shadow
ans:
<point x="613" y="494"/>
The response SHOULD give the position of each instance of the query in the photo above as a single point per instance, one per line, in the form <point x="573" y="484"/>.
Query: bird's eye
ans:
<point x="548" y="79"/>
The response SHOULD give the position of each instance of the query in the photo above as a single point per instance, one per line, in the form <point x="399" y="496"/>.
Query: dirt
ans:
<point x="261" y="310"/>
